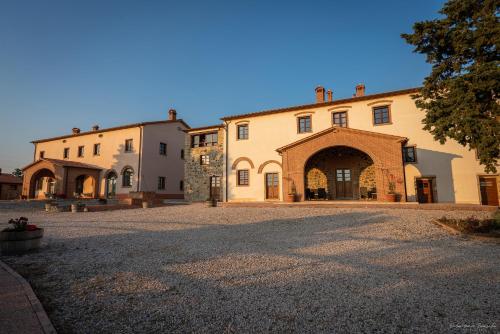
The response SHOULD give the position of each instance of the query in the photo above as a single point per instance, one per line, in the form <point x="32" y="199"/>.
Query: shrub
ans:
<point x="473" y="224"/>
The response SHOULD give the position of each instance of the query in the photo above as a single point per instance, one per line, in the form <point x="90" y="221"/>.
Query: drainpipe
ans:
<point x="404" y="171"/>
<point x="227" y="159"/>
<point x="139" y="163"/>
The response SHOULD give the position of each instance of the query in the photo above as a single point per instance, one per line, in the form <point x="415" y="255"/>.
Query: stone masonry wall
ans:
<point x="196" y="175"/>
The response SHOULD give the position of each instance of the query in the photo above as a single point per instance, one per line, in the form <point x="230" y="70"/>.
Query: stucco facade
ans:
<point x="132" y="149"/>
<point x="452" y="170"/>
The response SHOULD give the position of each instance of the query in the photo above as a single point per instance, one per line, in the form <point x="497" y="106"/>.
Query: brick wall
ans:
<point x="384" y="150"/>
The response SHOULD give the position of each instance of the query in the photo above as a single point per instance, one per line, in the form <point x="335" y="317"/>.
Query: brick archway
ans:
<point x="384" y="150"/>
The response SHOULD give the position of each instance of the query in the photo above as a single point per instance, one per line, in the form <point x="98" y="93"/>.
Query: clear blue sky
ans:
<point x="78" y="63"/>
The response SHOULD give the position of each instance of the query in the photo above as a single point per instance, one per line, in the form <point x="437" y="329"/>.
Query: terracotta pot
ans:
<point x="212" y="203"/>
<point x="77" y="207"/>
<point x="18" y="242"/>
<point x="390" y="197"/>
<point x="290" y="198"/>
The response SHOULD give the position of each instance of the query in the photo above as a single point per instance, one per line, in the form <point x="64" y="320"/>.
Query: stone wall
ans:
<point x="196" y="175"/>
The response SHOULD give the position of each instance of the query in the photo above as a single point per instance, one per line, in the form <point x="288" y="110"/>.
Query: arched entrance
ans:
<point x="339" y="172"/>
<point x="42" y="184"/>
<point x="111" y="178"/>
<point x="84" y="186"/>
<point x="384" y="150"/>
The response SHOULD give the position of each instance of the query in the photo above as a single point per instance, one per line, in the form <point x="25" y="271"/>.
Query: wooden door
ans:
<point x="489" y="190"/>
<point x="424" y="191"/>
<point x="215" y="187"/>
<point x="344" y="183"/>
<point x="272" y="186"/>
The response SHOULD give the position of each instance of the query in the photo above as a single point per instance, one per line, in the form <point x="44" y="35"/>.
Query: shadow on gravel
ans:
<point x="342" y="272"/>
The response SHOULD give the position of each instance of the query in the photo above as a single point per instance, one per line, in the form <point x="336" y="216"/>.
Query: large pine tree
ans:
<point x="461" y="95"/>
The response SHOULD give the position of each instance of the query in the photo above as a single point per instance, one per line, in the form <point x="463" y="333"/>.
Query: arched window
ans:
<point x="127" y="174"/>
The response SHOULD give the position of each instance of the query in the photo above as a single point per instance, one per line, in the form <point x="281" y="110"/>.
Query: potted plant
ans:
<point x="391" y="195"/>
<point x="21" y="237"/>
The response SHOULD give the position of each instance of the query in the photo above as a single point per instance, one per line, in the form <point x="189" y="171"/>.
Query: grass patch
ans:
<point x="474" y="225"/>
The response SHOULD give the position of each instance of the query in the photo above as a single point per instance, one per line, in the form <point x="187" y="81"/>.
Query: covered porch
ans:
<point x="344" y="164"/>
<point x="54" y="178"/>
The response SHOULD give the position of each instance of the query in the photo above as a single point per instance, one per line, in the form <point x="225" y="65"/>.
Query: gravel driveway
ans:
<point x="188" y="268"/>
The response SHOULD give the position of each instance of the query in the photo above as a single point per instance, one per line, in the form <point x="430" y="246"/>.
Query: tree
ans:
<point x="461" y="94"/>
<point x="17" y="172"/>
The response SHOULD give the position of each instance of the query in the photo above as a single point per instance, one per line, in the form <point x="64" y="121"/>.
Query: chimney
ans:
<point x="75" y="131"/>
<point x="360" y="90"/>
<point x="329" y="93"/>
<point x="172" y="115"/>
<point x="320" y="94"/>
<point x="95" y="128"/>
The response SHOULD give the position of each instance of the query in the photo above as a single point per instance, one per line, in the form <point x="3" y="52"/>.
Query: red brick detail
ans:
<point x="384" y="150"/>
<point x="237" y="161"/>
<point x="264" y="164"/>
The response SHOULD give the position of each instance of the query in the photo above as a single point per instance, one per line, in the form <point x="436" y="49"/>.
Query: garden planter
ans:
<point x="146" y="204"/>
<point x="77" y="207"/>
<point x="50" y="205"/>
<point x="212" y="203"/>
<point x="390" y="197"/>
<point x="290" y="198"/>
<point x="18" y="242"/>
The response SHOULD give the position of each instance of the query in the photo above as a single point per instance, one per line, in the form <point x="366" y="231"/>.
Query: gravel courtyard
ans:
<point x="188" y="268"/>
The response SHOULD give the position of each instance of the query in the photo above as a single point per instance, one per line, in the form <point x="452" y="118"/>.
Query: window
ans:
<point x="243" y="131"/>
<point x="97" y="149"/>
<point x="127" y="177"/>
<point x="128" y="145"/>
<point x="42" y="154"/>
<point x="66" y="153"/>
<point x="181" y="185"/>
<point x="381" y="115"/>
<point x="204" y="159"/>
<point x="163" y="149"/>
<point x="201" y="140"/>
<point x="243" y="177"/>
<point x="81" y="151"/>
<point x="13" y="187"/>
<point x="409" y="154"/>
<point x="161" y="182"/>
<point x="304" y="124"/>
<point x="340" y="119"/>
<point x="182" y="154"/>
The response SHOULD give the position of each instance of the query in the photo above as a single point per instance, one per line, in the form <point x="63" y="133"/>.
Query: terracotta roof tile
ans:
<point x="324" y="104"/>
<point x="9" y="178"/>
<point x="111" y="129"/>
<point x="64" y="163"/>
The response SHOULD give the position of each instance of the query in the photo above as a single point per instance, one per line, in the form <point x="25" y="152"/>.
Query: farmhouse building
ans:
<point x="110" y="163"/>
<point x="366" y="147"/>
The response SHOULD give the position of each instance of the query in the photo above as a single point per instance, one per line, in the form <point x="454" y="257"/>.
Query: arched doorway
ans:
<point x="84" y="186"/>
<point x="339" y="172"/>
<point x="42" y="184"/>
<point x="111" y="178"/>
